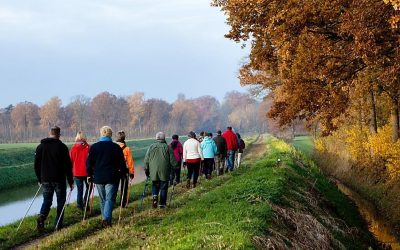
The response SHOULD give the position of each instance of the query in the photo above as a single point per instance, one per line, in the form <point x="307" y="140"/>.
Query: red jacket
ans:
<point x="79" y="153"/>
<point x="231" y="140"/>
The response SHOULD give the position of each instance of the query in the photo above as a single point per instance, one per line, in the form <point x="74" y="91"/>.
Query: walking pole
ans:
<point x="172" y="193"/>
<point x="87" y="201"/>
<point x="37" y="192"/>
<point x="144" y="193"/>
<point x="62" y="211"/>
<point x="122" y="199"/>
<point x="91" y="201"/>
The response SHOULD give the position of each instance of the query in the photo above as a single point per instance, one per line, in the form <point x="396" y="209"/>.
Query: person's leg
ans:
<point x="88" y="190"/>
<point x="178" y="173"/>
<point x="101" y="189"/>
<point x="190" y="169"/>
<point x="172" y="177"/>
<point x="155" y="192"/>
<point x="111" y="194"/>
<point x="163" y="193"/>
<point x="196" y="172"/>
<point x="61" y="192"/>
<point x="79" y="190"/>
<point x="48" y="192"/>
<point x="231" y="159"/>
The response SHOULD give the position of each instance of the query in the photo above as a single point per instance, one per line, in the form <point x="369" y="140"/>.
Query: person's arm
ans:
<point x="180" y="150"/>
<point x="68" y="167"/>
<point x="38" y="163"/>
<point x="147" y="163"/>
<point x="184" y="152"/>
<point x="172" y="160"/>
<point x="200" y="151"/>
<point x="90" y="163"/>
<point x="121" y="161"/>
<point x="130" y="162"/>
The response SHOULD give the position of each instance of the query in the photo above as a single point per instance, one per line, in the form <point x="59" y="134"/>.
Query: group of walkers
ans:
<point x="107" y="165"/>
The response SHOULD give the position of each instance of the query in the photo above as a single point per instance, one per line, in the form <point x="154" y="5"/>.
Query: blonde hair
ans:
<point x="80" y="136"/>
<point x="106" y="131"/>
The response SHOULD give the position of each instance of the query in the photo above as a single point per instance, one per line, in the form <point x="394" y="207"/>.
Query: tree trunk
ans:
<point x="395" y="119"/>
<point x="373" y="126"/>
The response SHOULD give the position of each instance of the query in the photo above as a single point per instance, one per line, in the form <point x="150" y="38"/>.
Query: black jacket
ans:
<point x="52" y="162"/>
<point x="106" y="162"/>
<point x="221" y="145"/>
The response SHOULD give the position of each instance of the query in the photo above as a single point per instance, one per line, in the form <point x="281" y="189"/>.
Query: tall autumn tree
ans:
<point x="310" y="53"/>
<point x="80" y="111"/>
<point x="103" y="108"/>
<point x="183" y="116"/>
<point x="25" y="117"/>
<point x="136" y="104"/>
<point x="49" y="112"/>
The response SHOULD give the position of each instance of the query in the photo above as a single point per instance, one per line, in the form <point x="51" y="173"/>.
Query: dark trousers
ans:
<point x="124" y="189"/>
<point x="193" y="171"/>
<point x="208" y="166"/>
<point x="60" y="188"/>
<point x="81" y="199"/>
<point x="160" y="188"/>
<point x="175" y="175"/>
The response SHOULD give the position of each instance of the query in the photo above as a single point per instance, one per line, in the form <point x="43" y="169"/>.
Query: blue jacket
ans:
<point x="208" y="147"/>
<point x="106" y="162"/>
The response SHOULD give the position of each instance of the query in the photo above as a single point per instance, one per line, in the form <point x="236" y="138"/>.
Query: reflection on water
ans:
<point x="15" y="202"/>
<point x="378" y="226"/>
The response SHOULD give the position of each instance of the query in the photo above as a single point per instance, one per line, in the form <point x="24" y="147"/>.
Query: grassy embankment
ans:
<point x="16" y="161"/>
<point x="260" y="205"/>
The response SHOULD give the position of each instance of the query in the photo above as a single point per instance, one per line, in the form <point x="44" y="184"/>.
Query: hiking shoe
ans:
<point x="155" y="202"/>
<point x="161" y="206"/>
<point x="106" y="223"/>
<point x="40" y="223"/>
<point x="188" y="184"/>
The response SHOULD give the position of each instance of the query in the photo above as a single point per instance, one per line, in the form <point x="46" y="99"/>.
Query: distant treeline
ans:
<point x="139" y="117"/>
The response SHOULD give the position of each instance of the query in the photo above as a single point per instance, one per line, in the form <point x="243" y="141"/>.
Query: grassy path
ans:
<point x="264" y="204"/>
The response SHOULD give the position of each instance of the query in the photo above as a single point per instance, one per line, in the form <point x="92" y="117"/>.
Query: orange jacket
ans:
<point x="128" y="157"/>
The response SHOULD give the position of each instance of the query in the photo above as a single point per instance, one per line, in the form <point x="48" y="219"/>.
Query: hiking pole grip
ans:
<point x="30" y="205"/>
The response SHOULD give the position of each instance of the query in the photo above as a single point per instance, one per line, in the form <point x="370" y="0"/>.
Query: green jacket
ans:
<point x="159" y="160"/>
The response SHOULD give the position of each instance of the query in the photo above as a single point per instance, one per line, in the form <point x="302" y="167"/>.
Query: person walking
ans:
<point x="105" y="165"/>
<point x="129" y="161"/>
<point x="78" y="154"/>
<point x="231" y="146"/>
<point x="209" y="149"/>
<point x="241" y="147"/>
<point x="159" y="161"/>
<point x="52" y="168"/>
<point x="221" y="153"/>
<point x="177" y="148"/>
<point x="192" y="158"/>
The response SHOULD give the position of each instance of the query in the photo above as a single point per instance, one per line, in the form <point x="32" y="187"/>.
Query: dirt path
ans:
<point x="256" y="149"/>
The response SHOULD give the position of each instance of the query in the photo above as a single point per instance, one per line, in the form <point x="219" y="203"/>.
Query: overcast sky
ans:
<point x="66" y="48"/>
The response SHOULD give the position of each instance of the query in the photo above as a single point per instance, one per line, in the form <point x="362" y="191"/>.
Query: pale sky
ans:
<point x="67" y="48"/>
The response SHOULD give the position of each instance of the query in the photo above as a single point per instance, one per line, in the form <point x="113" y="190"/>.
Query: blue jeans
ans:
<point x="60" y="188"/>
<point x="80" y="200"/>
<point x="107" y="194"/>
<point x="160" y="187"/>
<point x="231" y="160"/>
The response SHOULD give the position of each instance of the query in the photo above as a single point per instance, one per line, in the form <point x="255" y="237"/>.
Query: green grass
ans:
<point x="227" y="212"/>
<point x="16" y="161"/>
<point x="304" y="144"/>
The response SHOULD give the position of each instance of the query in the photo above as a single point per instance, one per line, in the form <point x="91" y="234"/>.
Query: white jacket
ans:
<point x="192" y="150"/>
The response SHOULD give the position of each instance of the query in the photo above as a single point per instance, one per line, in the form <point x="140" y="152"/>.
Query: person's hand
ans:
<point x="71" y="186"/>
<point x="131" y="176"/>
<point x="184" y="164"/>
<point x="39" y="184"/>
